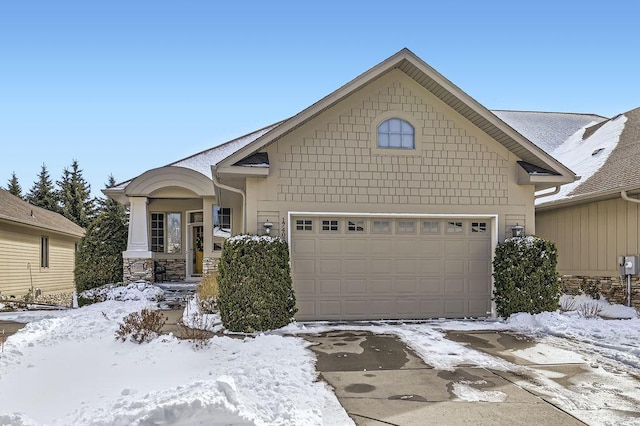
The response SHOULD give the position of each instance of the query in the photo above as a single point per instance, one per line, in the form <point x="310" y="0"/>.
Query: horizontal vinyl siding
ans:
<point x="20" y="262"/>
<point x="589" y="237"/>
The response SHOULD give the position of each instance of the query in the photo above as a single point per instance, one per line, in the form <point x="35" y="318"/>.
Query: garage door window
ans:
<point x="406" y="227"/>
<point x="304" y="225"/>
<point x="381" y="227"/>
<point x="454" y="227"/>
<point x="356" y="226"/>
<point x="430" y="227"/>
<point x="330" y="225"/>
<point x="479" y="227"/>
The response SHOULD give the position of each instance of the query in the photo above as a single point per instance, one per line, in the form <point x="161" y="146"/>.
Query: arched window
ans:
<point x="396" y="133"/>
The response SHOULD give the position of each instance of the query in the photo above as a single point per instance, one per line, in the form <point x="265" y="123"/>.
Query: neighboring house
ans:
<point x="597" y="218"/>
<point x="392" y="191"/>
<point x="37" y="249"/>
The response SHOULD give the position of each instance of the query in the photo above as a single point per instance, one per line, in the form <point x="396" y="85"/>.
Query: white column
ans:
<point x="138" y="241"/>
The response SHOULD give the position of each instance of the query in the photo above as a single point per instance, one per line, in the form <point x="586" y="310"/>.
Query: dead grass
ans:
<point x="207" y="291"/>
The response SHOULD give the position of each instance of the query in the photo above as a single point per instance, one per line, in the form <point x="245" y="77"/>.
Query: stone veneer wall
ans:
<point x="210" y="265"/>
<point x="137" y="269"/>
<point x="176" y="268"/>
<point x="339" y="164"/>
<point x="614" y="289"/>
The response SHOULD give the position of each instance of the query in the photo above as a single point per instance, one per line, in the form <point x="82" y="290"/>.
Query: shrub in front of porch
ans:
<point x="525" y="277"/>
<point x="255" y="286"/>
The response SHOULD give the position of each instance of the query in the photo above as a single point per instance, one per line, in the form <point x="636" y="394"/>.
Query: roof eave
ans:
<point x="40" y="226"/>
<point x="587" y="198"/>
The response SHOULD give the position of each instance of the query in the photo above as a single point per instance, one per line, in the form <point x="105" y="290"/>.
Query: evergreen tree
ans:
<point x="74" y="196"/>
<point x="42" y="193"/>
<point x="99" y="257"/>
<point x="14" y="187"/>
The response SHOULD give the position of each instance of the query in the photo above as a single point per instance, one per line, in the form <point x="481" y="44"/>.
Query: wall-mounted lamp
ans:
<point x="267" y="227"/>
<point x="517" y="231"/>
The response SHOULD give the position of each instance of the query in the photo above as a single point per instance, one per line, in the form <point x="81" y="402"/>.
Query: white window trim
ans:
<point x="394" y="152"/>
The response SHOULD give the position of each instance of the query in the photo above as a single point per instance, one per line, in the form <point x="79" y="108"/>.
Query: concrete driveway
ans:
<point x="380" y="381"/>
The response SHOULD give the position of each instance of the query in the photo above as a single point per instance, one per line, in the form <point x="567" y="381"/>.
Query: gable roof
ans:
<point x="547" y="130"/>
<point x="13" y="209"/>
<point x="407" y="62"/>
<point x="606" y="155"/>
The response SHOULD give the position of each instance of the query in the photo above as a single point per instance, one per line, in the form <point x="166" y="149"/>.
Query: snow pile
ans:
<point x="576" y="154"/>
<point x="257" y="238"/>
<point x="192" y="317"/>
<point x="70" y="369"/>
<point x="602" y="307"/>
<point x="465" y="392"/>
<point x="138" y="290"/>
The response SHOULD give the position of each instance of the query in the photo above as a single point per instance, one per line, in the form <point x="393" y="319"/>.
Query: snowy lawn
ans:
<point x="67" y="368"/>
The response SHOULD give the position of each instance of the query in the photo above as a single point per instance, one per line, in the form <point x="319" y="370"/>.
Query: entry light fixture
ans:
<point x="267" y="227"/>
<point x="517" y="231"/>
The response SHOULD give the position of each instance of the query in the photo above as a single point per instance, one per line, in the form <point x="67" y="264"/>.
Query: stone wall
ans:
<point x="614" y="289"/>
<point x="137" y="269"/>
<point x="176" y="269"/>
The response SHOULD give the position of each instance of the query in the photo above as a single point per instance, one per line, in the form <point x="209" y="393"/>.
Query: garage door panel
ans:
<point x="407" y="267"/>
<point x="329" y="266"/>
<point x="431" y="248"/>
<point x="303" y="246"/>
<point x="406" y="285"/>
<point x="355" y="266"/>
<point x="479" y="248"/>
<point x="329" y="286"/>
<point x="378" y="286"/>
<point x="326" y="245"/>
<point x="432" y="267"/>
<point x="365" y="275"/>
<point x="406" y="247"/>
<point x="354" y="286"/>
<point x="455" y="267"/>
<point x="382" y="308"/>
<point x="454" y="286"/>
<point x="381" y="267"/>
<point x="432" y="286"/>
<point x="355" y="247"/>
<point x="305" y="287"/>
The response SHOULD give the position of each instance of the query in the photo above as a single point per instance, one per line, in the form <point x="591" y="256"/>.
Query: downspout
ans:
<point x="546" y="194"/>
<point x="217" y="183"/>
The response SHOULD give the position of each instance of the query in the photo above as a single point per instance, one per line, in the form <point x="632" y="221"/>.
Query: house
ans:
<point x="392" y="191"/>
<point x="596" y="219"/>
<point x="37" y="249"/>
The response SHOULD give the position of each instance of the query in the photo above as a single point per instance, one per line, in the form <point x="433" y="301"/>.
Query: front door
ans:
<point x="198" y="242"/>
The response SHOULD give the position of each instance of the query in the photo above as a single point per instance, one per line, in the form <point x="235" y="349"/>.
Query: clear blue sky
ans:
<point x="124" y="86"/>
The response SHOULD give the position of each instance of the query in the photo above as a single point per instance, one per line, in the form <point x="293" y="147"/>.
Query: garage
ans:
<point x="376" y="267"/>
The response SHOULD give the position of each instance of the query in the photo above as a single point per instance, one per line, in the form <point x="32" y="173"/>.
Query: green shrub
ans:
<point x="591" y="288"/>
<point x="256" y="291"/>
<point x="525" y="277"/>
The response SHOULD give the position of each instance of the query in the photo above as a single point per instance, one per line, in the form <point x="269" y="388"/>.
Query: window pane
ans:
<point x="174" y="233"/>
<point x="383" y="140"/>
<point x="384" y="127"/>
<point x="430" y="227"/>
<point x="396" y="133"/>
<point x="478" y="226"/>
<point x="395" y="140"/>
<point x="395" y="126"/>
<point x="407" y="128"/>
<point x="356" y="226"/>
<point x="454" y="227"/>
<point x="407" y="141"/>
<point x="221" y="226"/>
<point x="380" y="227"/>
<point x="157" y="232"/>
<point x="406" y="227"/>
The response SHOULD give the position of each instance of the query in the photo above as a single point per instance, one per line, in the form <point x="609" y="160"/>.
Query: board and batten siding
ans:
<point x="589" y="237"/>
<point x="20" y="250"/>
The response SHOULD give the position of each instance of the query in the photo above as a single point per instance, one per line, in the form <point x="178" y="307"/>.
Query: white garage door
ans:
<point x="348" y="268"/>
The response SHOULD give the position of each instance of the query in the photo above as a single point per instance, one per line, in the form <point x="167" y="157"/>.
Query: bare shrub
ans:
<point x="140" y="327"/>
<point x="198" y="333"/>
<point x="567" y="303"/>
<point x="589" y="310"/>
<point x="207" y="292"/>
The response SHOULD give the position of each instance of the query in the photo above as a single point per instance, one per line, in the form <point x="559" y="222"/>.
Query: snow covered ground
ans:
<point x="66" y="367"/>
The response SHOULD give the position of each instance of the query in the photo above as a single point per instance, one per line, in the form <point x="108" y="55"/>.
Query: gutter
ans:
<point x="546" y="194"/>
<point x="217" y="183"/>
<point x="625" y="197"/>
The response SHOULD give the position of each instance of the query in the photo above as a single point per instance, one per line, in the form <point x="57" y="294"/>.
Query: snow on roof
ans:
<point x="546" y="129"/>
<point x="586" y="157"/>
<point x="203" y="161"/>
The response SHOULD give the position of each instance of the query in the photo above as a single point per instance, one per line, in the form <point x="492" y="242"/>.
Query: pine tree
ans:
<point x="99" y="257"/>
<point x="74" y="196"/>
<point x="14" y="187"/>
<point x="42" y="193"/>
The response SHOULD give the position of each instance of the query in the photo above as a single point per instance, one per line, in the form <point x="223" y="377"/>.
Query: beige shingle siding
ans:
<point x="20" y="247"/>
<point x="339" y="165"/>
